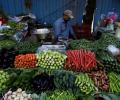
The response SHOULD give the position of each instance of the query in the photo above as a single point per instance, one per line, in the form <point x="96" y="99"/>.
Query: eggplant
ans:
<point x="43" y="82"/>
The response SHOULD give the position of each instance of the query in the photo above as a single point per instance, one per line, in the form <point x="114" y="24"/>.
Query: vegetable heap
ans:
<point x="4" y="79"/>
<point x="80" y="60"/>
<point x="17" y="95"/>
<point x="43" y="82"/>
<point x="51" y="60"/>
<point x="101" y="44"/>
<point x="61" y="95"/>
<point x="64" y="79"/>
<point x="25" y="61"/>
<point x="27" y="47"/>
<point x="7" y="57"/>
<point x="100" y="79"/>
<point x="7" y="43"/>
<point x="109" y="62"/>
<point x="85" y="84"/>
<point x="108" y="39"/>
<point x="114" y="82"/>
<point x="8" y="32"/>
<point x="81" y="44"/>
<point x="22" y="78"/>
<point x="15" y="25"/>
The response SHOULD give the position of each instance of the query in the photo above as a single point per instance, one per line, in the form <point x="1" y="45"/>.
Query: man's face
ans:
<point x="66" y="18"/>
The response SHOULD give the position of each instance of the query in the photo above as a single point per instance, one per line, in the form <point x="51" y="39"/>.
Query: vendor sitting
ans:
<point x="105" y="25"/>
<point x="62" y="27"/>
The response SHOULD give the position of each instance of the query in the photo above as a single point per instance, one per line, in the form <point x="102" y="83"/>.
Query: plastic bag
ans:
<point x="113" y="50"/>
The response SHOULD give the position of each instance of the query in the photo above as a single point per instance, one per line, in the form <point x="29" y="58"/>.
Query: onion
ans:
<point x="21" y="98"/>
<point x="13" y="96"/>
<point x="9" y="92"/>
<point x="19" y="90"/>
<point x="24" y="95"/>
<point x="23" y="92"/>
<point x="9" y="97"/>
<point x="25" y="98"/>
<point x="19" y="94"/>
<point x="14" y="93"/>
<point x="29" y="96"/>
<point x="17" y="98"/>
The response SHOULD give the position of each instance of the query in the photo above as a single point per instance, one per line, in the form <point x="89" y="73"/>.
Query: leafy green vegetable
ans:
<point x="15" y="25"/>
<point x="101" y="44"/>
<point x="64" y="80"/>
<point x="61" y="95"/>
<point x="27" y="47"/>
<point x="7" y="43"/>
<point x="8" y="32"/>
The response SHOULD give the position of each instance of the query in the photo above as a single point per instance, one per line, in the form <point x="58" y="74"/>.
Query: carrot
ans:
<point x="82" y="58"/>
<point x="76" y="56"/>
<point x="88" y="65"/>
<point x="26" y="61"/>
<point x="73" y="58"/>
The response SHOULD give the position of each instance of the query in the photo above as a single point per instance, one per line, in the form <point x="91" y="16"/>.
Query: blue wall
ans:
<point x="45" y="10"/>
<point x="104" y="6"/>
<point x="50" y="10"/>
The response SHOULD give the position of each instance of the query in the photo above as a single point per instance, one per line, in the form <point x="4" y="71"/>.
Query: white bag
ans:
<point x="113" y="50"/>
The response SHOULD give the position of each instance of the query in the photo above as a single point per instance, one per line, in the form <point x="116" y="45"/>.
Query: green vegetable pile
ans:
<point x="104" y="56"/>
<point x="15" y="25"/>
<point x="27" y="47"/>
<point x="78" y="83"/>
<point x="83" y="43"/>
<point x="8" y="32"/>
<point x="109" y="62"/>
<point x="61" y="95"/>
<point x="114" y="82"/>
<point x="101" y="44"/>
<point x="65" y="79"/>
<point x="85" y="83"/>
<point x="23" y="79"/>
<point x="4" y="80"/>
<point x="54" y="95"/>
<point x="108" y="39"/>
<point x="51" y="60"/>
<point x="7" y="43"/>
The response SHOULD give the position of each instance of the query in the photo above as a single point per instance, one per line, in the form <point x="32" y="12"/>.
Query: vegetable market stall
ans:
<point x="86" y="71"/>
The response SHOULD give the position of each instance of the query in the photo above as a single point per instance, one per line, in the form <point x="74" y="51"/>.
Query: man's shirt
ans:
<point x="62" y="29"/>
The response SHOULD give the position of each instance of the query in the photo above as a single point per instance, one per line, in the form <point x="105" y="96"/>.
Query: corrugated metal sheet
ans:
<point x="104" y="6"/>
<point x="50" y="10"/>
<point x="46" y="10"/>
